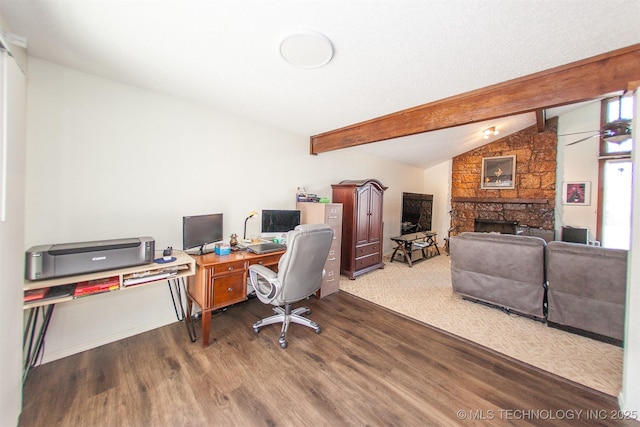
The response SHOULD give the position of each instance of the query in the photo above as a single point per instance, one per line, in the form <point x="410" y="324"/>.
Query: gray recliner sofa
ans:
<point x="500" y="269"/>
<point x="587" y="289"/>
<point x="571" y="286"/>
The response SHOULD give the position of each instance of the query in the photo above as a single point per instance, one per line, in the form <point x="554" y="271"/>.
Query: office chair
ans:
<point x="300" y="273"/>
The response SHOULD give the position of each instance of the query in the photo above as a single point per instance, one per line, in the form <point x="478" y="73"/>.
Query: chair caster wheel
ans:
<point x="283" y="344"/>
<point x="256" y="330"/>
<point x="318" y="331"/>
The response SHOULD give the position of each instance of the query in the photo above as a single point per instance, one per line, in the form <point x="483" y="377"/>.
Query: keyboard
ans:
<point x="265" y="248"/>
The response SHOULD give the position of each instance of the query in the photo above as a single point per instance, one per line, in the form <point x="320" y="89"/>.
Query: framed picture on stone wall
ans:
<point x="498" y="173"/>
<point x="576" y="193"/>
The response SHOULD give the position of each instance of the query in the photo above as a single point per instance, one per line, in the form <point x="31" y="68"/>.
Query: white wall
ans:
<point x="12" y="172"/>
<point x="106" y="160"/>
<point x="578" y="163"/>
<point x="437" y="181"/>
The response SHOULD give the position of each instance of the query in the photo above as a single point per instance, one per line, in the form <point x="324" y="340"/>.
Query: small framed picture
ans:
<point x="576" y="193"/>
<point x="498" y="172"/>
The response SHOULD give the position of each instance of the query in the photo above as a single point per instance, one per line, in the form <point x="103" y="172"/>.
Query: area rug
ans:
<point x="423" y="292"/>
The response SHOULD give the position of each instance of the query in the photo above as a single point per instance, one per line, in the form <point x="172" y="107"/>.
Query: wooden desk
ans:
<point x="221" y="280"/>
<point x="408" y="243"/>
<point x="122" y="279"/>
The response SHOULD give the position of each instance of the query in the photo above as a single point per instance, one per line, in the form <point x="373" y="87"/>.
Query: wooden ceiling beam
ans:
<point x="575" y="82"/>
<point x="540" y="119"/>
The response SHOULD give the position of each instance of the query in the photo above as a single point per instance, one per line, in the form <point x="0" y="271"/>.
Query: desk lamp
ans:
<point x="251" y="214"/>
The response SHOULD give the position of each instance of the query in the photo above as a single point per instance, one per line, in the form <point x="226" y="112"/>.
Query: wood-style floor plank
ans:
<point x="369" y="366"/>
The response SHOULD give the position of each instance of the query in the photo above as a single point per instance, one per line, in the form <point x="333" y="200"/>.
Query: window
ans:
<point x="617" y="110"/>
<point x="614" y="201"/>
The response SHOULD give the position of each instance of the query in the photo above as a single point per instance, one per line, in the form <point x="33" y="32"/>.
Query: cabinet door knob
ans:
<point x="230" y="268"/>
<point x="229" y="289"/>
<point x="260" y="262"/>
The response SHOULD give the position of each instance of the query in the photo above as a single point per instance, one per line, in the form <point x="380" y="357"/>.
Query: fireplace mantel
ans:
<point x="497" y="200"/>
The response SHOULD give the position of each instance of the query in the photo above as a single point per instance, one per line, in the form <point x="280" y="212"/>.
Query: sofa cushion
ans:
<point x="500" y="269"/>
<point x="587" y="287"/>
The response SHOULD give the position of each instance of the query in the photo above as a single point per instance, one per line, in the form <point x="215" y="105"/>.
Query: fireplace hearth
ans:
<point x="495" y="226"/>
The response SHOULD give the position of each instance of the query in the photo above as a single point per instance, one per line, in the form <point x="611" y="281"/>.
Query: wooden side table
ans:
<point x="408" y="243"/>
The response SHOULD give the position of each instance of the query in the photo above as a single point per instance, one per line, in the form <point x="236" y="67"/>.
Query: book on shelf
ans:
<point x="35" y="294"/>
<point x="50" y="293"/>
<point x="97" y="285"/>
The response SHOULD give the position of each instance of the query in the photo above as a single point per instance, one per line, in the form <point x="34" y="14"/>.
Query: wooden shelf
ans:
<point x="498" y="200"/>
<point x="184" y="263"/>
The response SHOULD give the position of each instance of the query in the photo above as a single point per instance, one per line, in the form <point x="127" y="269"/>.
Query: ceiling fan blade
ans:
<point x="617" y="130"/>
<point x="578" y="133"/>
<point x="583" y="139"/>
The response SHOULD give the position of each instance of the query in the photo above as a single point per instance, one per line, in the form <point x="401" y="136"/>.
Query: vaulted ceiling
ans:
<point x="388" y="56"/>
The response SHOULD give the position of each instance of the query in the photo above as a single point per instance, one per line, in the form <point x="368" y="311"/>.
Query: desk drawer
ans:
<point x="228" y="289"/>
<point x="369" y="249"/>
<point x="227" y="268"/>
<point x="266" y="260"/>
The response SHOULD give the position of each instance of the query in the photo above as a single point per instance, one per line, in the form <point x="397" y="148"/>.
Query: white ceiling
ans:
<point x="389" y="55"/>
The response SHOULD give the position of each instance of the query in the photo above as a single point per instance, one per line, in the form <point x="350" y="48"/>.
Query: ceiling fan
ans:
<point x="616" y="131"/>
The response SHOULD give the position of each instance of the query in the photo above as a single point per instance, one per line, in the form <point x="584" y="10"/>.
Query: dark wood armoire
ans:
<point x="361" y="225"/>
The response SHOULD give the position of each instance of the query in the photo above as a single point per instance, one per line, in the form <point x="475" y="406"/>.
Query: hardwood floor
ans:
<point x="369" y="366"/>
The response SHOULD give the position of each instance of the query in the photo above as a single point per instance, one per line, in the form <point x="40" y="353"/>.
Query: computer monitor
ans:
<point x="278" y="222"/>
<point x="201" y="230"/>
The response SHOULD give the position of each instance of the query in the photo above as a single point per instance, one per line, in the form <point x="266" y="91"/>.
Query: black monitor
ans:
<point x="279" y="221"/>
<point x="575" y="235"/>
<point x="201" y="230"/>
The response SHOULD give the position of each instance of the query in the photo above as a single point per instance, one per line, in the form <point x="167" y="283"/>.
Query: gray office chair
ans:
<point x="300" y="273"/>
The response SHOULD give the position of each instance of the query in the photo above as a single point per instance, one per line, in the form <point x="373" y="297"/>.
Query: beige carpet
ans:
<point x="424" y="293"/>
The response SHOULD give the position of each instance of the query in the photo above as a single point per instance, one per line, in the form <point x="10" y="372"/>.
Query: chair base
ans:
<point x="285" y="316"/>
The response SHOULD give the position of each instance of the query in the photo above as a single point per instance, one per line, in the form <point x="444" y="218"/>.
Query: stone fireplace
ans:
<point x="529" y="205"/>
<point x="495" y="226"/>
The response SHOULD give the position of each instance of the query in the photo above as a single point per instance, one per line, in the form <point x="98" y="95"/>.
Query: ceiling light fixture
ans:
<point x="488" y="133"/>
<point x="307" y="49"/>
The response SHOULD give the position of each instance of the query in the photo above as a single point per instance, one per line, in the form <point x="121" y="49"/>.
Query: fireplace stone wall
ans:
<point x="531" y="203"/>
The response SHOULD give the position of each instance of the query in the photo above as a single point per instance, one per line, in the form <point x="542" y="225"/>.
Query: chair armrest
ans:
<point x="265" y="282"/>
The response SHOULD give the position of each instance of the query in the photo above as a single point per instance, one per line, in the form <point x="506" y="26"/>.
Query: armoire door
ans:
<point x="375" y="215"/>
<point x="363" y="198"/>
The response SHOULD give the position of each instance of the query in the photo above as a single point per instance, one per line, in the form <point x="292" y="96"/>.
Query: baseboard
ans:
<point x="621" y="401"/>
